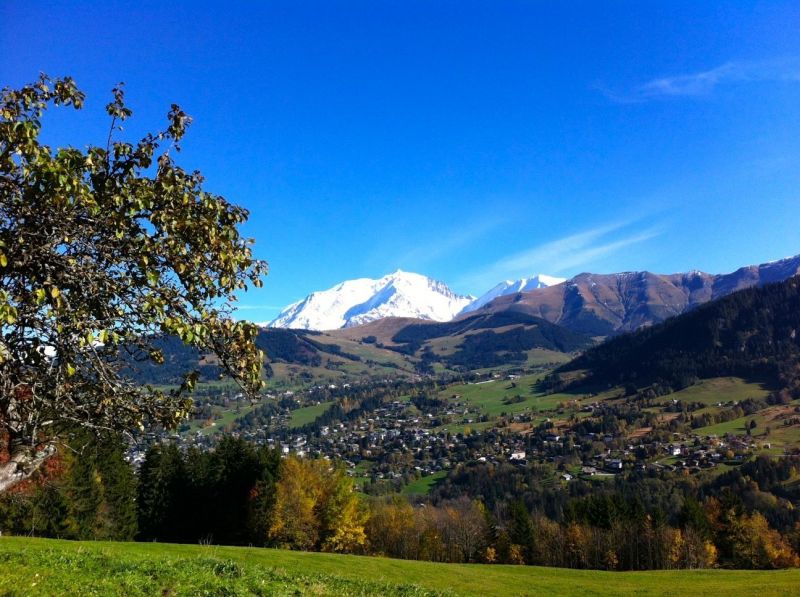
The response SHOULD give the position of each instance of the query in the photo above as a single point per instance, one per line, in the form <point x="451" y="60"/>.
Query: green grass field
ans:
<point x="721" y="389"/>
<point x="369" y="352"/>
<point x="224" y="418"/>
<point x="489" y="396"/>
<point x="423" y="485"/>
<point x="542" y="356"/>
<point x="50" y="567"/>
<point x="307" y="414"/>
<point x="780" y="436"/>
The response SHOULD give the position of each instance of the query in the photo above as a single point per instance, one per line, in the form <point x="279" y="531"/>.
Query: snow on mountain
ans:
<point x="354" y="302"/>
<point x="512" y="287"/>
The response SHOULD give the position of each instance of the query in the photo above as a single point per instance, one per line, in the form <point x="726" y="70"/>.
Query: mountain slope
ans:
<point x="752" y="333"/>
<point x="489" y="340"/>
<point x="300" y="354"/>
<point x="605" y="304"/>
<point x="355" y="302"/>
<point x="477" y="341"/>
<point x="512" y="287"/>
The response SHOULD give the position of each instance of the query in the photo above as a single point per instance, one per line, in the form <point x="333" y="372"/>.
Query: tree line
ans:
<point x="242" y="494"/>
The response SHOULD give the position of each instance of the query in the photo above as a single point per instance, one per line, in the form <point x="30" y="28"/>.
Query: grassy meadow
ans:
<point x="721" y="389"/>
<point x="53" y="567"/>
<point x="423" y="485"/>
<point x="307" y="414"/>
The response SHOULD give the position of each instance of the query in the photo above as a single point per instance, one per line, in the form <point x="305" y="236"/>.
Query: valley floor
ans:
<point x="52" y="567"/>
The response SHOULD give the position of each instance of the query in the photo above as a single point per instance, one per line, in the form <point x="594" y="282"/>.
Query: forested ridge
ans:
<point x="753" y="333"/>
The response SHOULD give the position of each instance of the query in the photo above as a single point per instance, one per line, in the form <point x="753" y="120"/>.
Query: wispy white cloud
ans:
<point x="704" y="82"/>
<point x="441" y="246"/>
<point x="561" y="256"/>
<point x="258" y="307"/>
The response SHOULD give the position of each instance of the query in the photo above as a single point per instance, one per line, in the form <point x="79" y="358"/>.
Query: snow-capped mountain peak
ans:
<point x="355" y="302"/>
<point x="512" y="287"/>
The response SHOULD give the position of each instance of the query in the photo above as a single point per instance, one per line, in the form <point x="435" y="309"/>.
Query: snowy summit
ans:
<point x="355" y="302"/>
<point x="512" y="287"/>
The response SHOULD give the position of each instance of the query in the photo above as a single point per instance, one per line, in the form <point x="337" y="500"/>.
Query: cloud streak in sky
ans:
<point x="438" y="247"/>
<point x="257" y="307"/>
<point x="705" y="82"/>
<point x="562" y="256"/>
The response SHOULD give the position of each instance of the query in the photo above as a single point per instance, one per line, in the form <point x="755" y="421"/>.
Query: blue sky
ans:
<point x="469" y="141"/>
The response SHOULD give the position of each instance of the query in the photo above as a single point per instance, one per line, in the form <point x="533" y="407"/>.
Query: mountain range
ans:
<point x="608" y="304"/>
<point x="400" y="294"/>
<point x="596" y="305"/>
<point x="545" y="326"/>
<point x="750" y="334"/>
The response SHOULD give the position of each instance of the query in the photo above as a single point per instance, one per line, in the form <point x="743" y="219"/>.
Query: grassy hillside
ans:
<point x="721" y="389"/>
<point x="423" y="485"/>
<point x="307" y="414"/>
<point x="49" y="567"/>
<point x="478" y="341"/>
<point x="289" y="355"/>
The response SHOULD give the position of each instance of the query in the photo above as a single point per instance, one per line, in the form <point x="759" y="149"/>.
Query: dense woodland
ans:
<point x="240" y="494"/>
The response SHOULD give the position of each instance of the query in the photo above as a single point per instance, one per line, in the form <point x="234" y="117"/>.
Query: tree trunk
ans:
<point x="23" y="463"/>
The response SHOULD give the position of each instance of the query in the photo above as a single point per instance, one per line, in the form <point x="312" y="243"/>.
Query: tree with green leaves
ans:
<point x="103" y="251"/>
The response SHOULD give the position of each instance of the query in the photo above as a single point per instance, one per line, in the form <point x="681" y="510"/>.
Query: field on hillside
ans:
<point x="423" y="485"/>
<point x="492" y="396"/>
<point x="51" y="567"/>
<point x="721" y="389"/>
<point x="769" y="430"/>
<point x="497" y="396"/>
<point x="307" y="414"/>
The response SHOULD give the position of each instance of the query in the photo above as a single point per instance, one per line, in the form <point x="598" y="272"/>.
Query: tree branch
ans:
<point x="23" y="463"/>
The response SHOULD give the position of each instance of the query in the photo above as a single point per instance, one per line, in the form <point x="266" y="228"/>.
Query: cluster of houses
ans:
<point x="398" y="441"/>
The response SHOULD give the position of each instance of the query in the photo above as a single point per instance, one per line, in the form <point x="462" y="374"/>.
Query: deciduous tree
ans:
<point x="316" y="508"/>
<point x="103" y="250"/>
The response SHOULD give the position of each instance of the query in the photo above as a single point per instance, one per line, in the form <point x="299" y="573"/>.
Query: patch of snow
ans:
<point x="512" y="287"/>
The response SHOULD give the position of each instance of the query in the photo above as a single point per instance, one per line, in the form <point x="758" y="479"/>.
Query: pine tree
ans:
<point x="119" y="491"/>
<point x="83" y="494"/>
<point x="98" y="489"/>
<point x="161" y="481"/>
<point x="521" y="531"/>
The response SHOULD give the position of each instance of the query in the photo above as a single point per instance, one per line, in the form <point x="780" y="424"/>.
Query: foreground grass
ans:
<point x="50" y="567"/>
